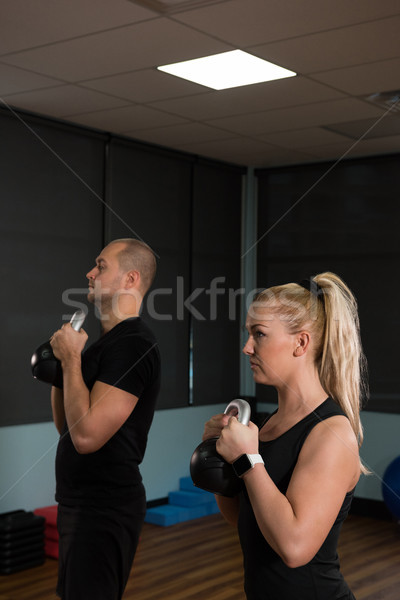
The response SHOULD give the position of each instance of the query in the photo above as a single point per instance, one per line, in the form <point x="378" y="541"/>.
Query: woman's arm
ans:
<point x="296" y="524"/>
<point x="229" y="508"/>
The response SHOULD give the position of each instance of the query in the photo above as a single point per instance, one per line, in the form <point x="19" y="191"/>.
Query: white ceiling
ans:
<point x="93" y="62"/>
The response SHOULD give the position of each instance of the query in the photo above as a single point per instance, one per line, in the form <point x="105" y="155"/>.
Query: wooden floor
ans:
<point x="201" y="559"/>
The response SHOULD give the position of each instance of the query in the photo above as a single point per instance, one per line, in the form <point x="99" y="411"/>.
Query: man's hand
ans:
<point x="67" y="343"/>
<point x="214" y="426"/>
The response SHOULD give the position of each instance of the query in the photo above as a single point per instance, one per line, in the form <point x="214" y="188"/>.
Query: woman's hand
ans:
<point x="237" y="439"/>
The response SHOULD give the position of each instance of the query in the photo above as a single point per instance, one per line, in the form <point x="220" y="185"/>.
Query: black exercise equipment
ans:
<point x="45" y="366"/>
<point x="208" y="470"/>
<point x="21" y="541"/>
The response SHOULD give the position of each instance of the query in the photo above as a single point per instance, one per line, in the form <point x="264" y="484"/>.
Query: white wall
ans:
<point x="27" y="455"/>
<point x="173" y="437"/>
<point x="27" y="466"/>
<point x="381" y="445"/>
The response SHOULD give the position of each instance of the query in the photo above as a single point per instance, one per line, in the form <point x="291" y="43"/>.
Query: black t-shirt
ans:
<point x="266" y="575"/>
<point x="126" y="357"/>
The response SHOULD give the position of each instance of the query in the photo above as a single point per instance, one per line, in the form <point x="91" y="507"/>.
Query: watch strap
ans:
<point x="255" y="459"/>
<point x="245" y="462"/>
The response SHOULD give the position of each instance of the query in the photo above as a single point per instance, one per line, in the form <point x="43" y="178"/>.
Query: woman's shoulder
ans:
<point x="333" y="439"/>
<point x="333" y="426"/>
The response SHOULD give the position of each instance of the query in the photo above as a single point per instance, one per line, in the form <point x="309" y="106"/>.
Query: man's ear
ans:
<point x="302" y="342"/>
<point x="132" y="279"/>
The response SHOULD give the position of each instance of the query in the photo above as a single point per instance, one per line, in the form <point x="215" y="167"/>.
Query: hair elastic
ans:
<point x="312" y="286"/>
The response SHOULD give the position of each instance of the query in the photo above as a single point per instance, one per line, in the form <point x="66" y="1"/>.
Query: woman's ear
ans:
<point x="302" y="342"/>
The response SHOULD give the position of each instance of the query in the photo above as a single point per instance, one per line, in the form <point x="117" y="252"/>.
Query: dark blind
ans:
<point x="150" y="196"/>
<point x="346" y="223"/>
<point x="51" y="230"/>
<point x="216" y="281"/>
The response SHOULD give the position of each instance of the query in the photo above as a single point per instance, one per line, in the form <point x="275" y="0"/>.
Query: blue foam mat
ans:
<point x="168" y="514"/>
<point x="184" y="504"/>
<point x="184" y="498"/>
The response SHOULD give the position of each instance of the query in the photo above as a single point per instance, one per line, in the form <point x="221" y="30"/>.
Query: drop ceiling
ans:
<point x="93" y="63"/>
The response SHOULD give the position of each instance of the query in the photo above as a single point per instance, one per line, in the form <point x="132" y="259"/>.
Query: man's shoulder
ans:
<point x="134" y="327"/>
<point x="131" y="335"/>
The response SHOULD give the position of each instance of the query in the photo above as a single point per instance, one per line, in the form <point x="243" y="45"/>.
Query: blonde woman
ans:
<point x="299" y="470"/>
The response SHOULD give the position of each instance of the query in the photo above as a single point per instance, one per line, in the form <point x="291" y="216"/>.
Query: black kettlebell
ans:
<point x="208" y="470"/>
<point x="45" y="366"/>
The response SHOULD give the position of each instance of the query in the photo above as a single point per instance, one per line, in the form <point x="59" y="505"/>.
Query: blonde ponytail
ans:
<point x="342" y="365"/>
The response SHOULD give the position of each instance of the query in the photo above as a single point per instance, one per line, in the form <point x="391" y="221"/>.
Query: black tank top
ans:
<point x="266" y="575"/>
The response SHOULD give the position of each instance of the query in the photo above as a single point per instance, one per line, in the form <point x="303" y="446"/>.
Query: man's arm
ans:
<point x="92" y="417"/>
<point x="57" y="407"/>
<point x="229" y="507"/>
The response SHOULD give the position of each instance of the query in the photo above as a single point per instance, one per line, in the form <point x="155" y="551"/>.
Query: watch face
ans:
<point x="241" y="465"/>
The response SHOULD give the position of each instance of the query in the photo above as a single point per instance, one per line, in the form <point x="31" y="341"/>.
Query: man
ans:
<point x="103" y="414"/>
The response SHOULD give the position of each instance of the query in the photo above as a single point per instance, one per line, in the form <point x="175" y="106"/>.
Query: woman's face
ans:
<point x="270" y="347"/>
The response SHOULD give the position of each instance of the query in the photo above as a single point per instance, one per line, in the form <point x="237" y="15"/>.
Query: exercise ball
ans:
<point x="391" y="487"/>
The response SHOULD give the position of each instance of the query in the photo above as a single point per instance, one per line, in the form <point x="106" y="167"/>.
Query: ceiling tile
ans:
<point x="145" y="86"/>
<point x="308" y="115"/>
<point x="366" y="79"/>
<point x="387" y="145"/>
<point x="147" y="44"/>
<point x="62" y="100"/>
<point x="14" y="80"/>
<point x="387" y="125"/>
<point x="303" y="138"/>
<point x="94" y="62"/>
<point x="344" y="47"/>
<point x="233" y="150"/>
<point x="288" y="157"/>
<point x="169" y="7"/>
<point x="28" y="24"/>
<point x="261" y="96"/>
<point x="179" y="134"/>
<point x="257" y="21"/>
<point x="124" y="119"/>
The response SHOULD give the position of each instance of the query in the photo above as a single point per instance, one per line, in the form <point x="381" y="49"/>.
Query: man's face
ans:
<point x="106" y="278"/>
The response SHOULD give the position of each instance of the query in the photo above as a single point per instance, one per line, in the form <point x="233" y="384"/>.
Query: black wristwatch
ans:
<point x="246" y="462"/>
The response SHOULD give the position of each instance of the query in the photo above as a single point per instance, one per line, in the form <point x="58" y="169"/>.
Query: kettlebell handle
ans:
<point x="44" y="364"/>
<point x="77" y="319"/>
<point x="239" y="408"/>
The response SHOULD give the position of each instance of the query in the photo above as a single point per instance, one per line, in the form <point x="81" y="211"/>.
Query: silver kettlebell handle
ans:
<point x="239" y="408"/>
<point x="77" y="319"/>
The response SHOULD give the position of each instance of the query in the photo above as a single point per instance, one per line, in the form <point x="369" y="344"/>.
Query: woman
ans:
<point x="303" y="340"/>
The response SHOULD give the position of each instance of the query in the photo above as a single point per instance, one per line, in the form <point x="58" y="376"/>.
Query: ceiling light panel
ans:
<point x="227" y="70"/>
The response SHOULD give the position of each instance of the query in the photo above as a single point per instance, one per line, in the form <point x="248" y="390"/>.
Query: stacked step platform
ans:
<point x="189" y="502"/>
<point x="21" y="541"/>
